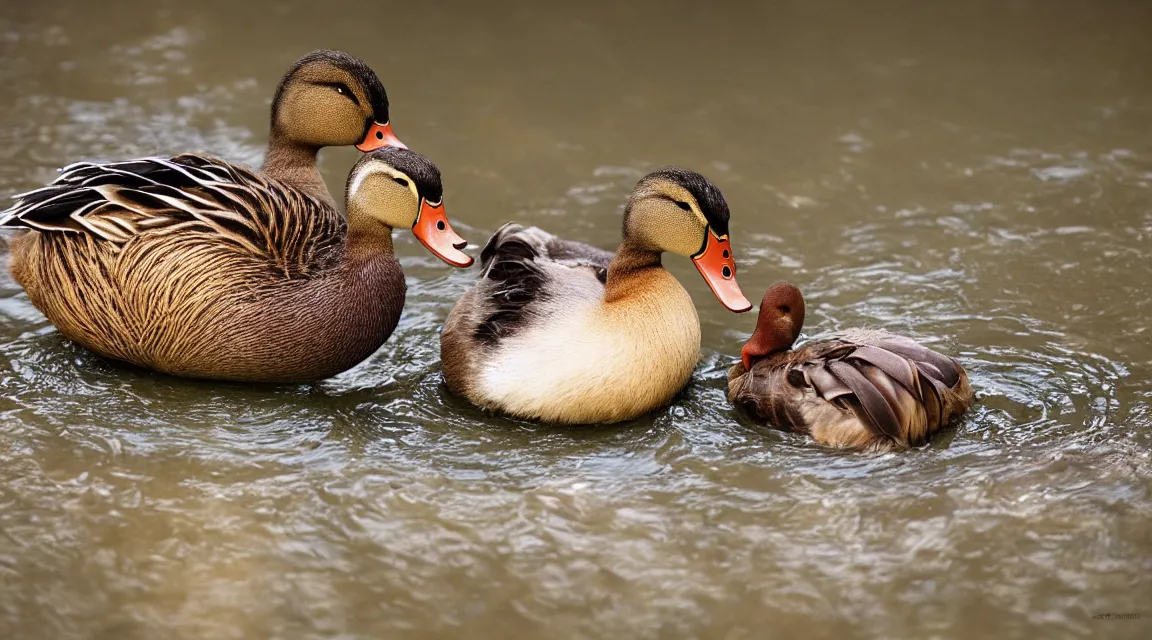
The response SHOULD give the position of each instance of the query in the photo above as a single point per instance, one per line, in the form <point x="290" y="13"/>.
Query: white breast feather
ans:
<point x="576" y="363"/>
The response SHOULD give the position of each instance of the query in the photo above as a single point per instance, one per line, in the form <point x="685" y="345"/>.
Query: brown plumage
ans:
<point x="195" y="267"/>
<point x="562" y="332"/>
<point x="867" y="390"/>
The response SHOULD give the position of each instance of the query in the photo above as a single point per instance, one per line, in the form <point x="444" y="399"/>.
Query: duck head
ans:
<point x="401" y="189"/>
<point x="333" y="99"/>
<point x="779" y="324"/>
<point x="680" y="211"/>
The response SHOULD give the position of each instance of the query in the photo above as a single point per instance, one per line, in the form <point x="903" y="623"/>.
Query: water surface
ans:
<point x="976" y="175"/>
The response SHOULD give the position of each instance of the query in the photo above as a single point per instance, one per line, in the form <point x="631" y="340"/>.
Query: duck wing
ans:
<point x="187" y="195"/>
<point x="900" y="390"/>
<point x="517" y="267"/>
<point x="895" y="392"/>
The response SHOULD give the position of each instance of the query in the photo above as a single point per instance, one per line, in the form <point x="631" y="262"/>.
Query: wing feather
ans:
<point x="225" y="204"/>
<point x="879" y="414"/>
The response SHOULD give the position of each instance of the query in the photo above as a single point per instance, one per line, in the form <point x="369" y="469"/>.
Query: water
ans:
<point x="976" y="175"/>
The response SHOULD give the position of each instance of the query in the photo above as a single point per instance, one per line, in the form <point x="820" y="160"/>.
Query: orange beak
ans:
<point x="746" y="355"/>
<point x="379" y="135"/>
<point x="716" y="264"/>
<point x="433" y="230"/>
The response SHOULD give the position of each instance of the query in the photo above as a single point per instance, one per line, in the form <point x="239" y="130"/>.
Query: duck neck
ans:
<point x="295" y="163"/>
<point x="368" y="237"/>
<point x="631" y="261"/>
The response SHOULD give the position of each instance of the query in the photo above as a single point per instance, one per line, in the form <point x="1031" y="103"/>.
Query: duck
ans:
<point x="860" y="389"/>
<point x="199" y="268"/>
<point x="561" y="332"/>
<point x="159" y="261"/>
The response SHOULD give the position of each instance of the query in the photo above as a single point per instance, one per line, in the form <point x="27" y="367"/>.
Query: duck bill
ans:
<point x="716" y="264"/>
<point x="749" y="352"/>
<point x="434" y="231"/>
<point x="379" y="135"/>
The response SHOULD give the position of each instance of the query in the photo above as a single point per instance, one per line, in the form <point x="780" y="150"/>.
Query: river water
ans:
<point x="973" y="174"/>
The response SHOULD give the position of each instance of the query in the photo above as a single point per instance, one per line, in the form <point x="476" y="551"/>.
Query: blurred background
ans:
<point x="973" y="174"/>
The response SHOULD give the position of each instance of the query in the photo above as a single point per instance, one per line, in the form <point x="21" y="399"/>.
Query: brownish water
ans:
<point x="976" y="175"/>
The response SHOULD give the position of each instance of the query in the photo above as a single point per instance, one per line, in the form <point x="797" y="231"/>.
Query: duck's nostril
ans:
<point x="379" y="135"/>
<point x="727" y="272"/>
<point x="725" y="253"/>
<point x="440" y="225"/>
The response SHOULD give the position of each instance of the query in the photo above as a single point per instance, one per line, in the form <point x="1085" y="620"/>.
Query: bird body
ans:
<point x="562" y="332"/>
<point x="197" y="267"/>
<point x="859" y="389"/>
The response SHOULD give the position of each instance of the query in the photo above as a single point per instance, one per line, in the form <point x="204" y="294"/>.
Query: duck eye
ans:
<point x="342" y="89"/>
<point x="401" y="181"/>
<point x="785" y="308"/>
<point x="683" y="205"/>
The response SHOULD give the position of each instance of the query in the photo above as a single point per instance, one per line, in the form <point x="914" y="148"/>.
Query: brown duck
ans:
<point x="864" y="389"/>
<point x="195" y="267"/>
<point x="563" y="332"/>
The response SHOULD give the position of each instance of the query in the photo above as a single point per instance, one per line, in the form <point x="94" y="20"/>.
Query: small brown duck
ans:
<point x="199" y="268"/>
<point x="864" y="389"/>
<point x="563" y="332"/>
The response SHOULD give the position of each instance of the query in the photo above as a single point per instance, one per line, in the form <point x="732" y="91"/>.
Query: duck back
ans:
<point x="859" y="390"/>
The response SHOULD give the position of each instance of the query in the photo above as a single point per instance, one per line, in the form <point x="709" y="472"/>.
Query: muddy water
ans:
<point x="976" y="175"/>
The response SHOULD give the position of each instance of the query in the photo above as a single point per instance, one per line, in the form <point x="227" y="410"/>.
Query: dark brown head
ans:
<point x="680" y="211"/>
<point x="332" y="99"/>
<point x="781" y="319"/>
